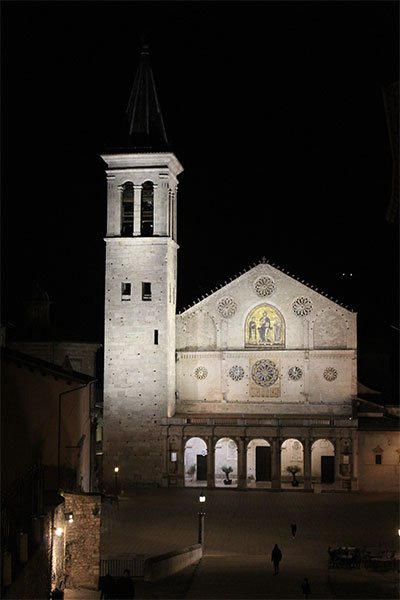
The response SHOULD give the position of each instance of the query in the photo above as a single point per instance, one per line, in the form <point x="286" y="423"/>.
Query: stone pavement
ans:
<point x="240" y="531"/>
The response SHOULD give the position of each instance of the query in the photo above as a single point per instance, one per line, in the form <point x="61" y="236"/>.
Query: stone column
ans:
<point x="307" y="463"/>
<point x="242" y="463"/>
<point x="166" y="474"/>
<point x="137" y="198"/>
<point x="210" y="462"/>
<point x="159" y="210"/>
<point x="354" y="466"/>
<point x="174" y="213"/>
<point x="276" y="464"/>
<point x="337" y="460"/>
<point x="181" y="461"/>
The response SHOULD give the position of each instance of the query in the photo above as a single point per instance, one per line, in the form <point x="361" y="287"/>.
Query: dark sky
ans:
<point x="275" y="111"/>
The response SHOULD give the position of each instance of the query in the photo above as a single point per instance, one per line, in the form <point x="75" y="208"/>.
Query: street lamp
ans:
<point x="116" y="471"/>
<point x="201" y="514"/>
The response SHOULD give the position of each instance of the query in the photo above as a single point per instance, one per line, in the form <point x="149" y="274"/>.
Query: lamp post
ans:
<point x="201" y="515"/>
<point x="116" y="471"/>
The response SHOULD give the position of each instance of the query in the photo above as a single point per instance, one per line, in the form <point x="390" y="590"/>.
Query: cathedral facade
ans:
<point x="255" y="386"/>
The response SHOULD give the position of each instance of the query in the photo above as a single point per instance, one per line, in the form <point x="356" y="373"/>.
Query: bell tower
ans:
<point x="140" y="291"/>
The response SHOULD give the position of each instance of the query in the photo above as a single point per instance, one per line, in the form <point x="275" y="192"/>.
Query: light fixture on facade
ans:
<point x="202" y="497"/>
<point x="116" y="469"/>
<point x="69" y="517"/>
<point x="59" y="531"/>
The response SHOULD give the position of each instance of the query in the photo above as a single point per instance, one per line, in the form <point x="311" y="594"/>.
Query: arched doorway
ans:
<point x="226" y="463"/>
<point x="258" y="464"/>
<point x="292" y="463"/>
<point x="195" y="462"/>
<point x="323" y="462"/>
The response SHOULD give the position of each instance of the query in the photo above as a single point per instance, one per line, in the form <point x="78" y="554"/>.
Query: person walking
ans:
<point x="125" y="586"/>
<point x="293" y="528"/>
<point x="305" y="587"/>
<point x="107" y="587"/>
<point x="276" y="557"/>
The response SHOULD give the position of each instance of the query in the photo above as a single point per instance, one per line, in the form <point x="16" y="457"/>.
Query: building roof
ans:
<point x="384" y="423"/>
<point x="44" y="366"/>
<point x="145" y="122"/>
<point x="259" y="263"/>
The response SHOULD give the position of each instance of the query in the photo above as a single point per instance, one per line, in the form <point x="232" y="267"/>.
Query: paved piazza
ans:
<point x="240" y="531"/>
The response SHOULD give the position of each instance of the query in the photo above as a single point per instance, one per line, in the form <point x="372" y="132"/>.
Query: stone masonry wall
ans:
<point x="82" y="540"/>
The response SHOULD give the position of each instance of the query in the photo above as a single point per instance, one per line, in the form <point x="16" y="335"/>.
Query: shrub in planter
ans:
<point x="227" y="470"/>
<point x="293" y="470"/>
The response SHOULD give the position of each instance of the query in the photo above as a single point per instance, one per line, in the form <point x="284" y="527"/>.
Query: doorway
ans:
<point x="327" y="469"/>
<point x="201" y="463"/>
<point x="263" y="463"/>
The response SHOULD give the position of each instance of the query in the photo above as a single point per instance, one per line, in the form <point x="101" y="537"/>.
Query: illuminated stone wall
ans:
<point x="139" y="352"/>
<point x="386" y="475"/>
<point x="266" y="342"/>
<point x="82" y="540"/>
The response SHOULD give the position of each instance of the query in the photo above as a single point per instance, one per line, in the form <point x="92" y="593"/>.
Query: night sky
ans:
<point x="275" y="111"/>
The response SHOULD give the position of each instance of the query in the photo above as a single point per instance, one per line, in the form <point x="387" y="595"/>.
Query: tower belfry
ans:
<point x="140" y="291"/>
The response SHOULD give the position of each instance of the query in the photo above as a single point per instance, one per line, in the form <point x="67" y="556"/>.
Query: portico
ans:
<point x="258" y="451"/>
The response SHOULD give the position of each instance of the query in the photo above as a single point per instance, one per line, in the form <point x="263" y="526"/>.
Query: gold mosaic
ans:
<point x="265" y="327"/>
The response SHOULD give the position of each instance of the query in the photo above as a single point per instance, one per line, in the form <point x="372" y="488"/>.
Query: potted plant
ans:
<point x="227" y="470"/>
<point x="293" y="470"/>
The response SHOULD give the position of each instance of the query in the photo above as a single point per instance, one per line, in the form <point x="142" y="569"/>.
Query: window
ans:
<point x="146" y="290"/>
<point x="147" y="209"/>
<point x="127" y="210"/>
<point x="125" y="291"/>
<point x="378" y="459"/>
<point x="156" y="336"/>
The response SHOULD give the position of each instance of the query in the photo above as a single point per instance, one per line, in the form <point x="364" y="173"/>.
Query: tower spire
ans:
<point x="146" y="125"/>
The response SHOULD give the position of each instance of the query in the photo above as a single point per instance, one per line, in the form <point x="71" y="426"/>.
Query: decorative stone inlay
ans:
<point x="227" y="307"/>
<point x="264" y="286"/>
<point x="200" y="372"/>
<point x="295" y="373"/>
<point x="264" y="372"/>
<point x="302" y="306"/>
<point x="236" y="373"/>
<point x="330" y="374"/>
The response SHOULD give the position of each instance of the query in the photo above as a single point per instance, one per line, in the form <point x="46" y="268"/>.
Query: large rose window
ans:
<point x="264" y="373"/>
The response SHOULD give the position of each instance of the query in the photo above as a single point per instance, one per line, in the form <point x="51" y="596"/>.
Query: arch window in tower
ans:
<point x="147" y="209"/>
<point x="127" y="210"/>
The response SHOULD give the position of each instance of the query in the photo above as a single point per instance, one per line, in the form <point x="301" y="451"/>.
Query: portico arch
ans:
<point x="292" y="456"/>
<point x="323" y="461"/>
<point x="258" y="463"/>
<point x="226" y="456"/>
<point x="195" y="462"/>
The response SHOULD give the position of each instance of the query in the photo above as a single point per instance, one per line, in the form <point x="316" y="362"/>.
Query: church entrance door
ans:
<point x="201" y="468"/>
<point x="263" y="463"/>
<point x="327" y="469"/>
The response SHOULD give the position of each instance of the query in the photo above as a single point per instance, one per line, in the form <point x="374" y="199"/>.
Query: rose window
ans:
<point x="264" y="372"/>
<point x="302" y="306"/>
<point x="227" y="307"/>
<point x="295" y="373"/>
<point x="200" y="372"/>
<point x="236" y="373"/>
<point x="330" y="374"/>
<point x="264" y="286"/>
